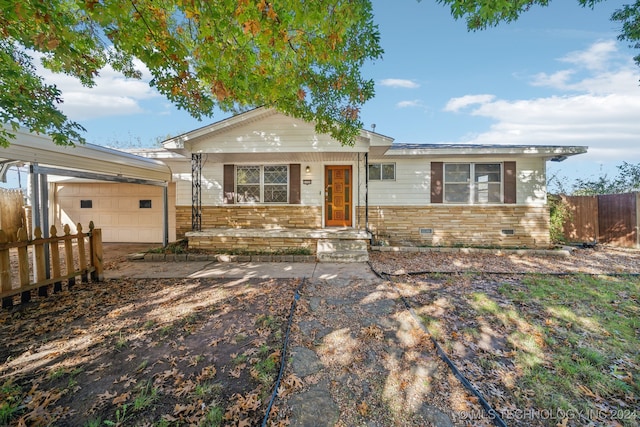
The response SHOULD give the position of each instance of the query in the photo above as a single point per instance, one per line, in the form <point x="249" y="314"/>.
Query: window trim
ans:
<point x="261" y="184"/>
<point x="472" y="184"/>
<point x="381" y="164"/>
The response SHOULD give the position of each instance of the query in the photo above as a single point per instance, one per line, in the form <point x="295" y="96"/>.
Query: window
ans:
<point x="86" y="204"/>
<point x="145" y="204"/>
<point x="269" y="184"/>
<point x="473" y="183"/>
<point x="382" y="171"/>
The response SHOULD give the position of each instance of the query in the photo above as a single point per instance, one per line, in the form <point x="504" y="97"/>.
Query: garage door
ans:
<point x="126" y="213"/>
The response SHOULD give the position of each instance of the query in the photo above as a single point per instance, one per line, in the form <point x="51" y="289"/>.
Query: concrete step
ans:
<point x="342" y="250"/>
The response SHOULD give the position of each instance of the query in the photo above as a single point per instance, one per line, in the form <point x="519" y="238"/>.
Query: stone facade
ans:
<point x="251" y="244"/>
<point x="450" y="225"/>
<point x="236" y="216"/>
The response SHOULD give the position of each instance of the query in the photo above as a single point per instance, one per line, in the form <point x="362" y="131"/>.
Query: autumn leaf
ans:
<point x="121" y="399"/>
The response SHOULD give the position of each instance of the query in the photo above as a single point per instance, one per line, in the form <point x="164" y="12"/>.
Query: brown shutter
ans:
<point x="510" y="182"/>
<point x="436" y="182"/>
<point x="294" y="184"/>
<point x="228" y="185"/>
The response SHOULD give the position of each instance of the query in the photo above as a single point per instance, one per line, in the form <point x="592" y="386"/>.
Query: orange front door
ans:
<point x="338" y="197"/>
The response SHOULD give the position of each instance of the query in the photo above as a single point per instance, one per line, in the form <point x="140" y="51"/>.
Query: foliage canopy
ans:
<point x="481" y="14"/>
<point x="300" y="57"/>
<point x="303" y="58"/>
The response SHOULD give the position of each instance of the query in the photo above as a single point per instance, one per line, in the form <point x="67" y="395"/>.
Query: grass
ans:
<point x="10" y="400"/>
<point x="575" y="339"/>
<point x="146" y="395"/>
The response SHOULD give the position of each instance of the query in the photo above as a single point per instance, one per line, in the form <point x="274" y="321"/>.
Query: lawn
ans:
<point x="543" y="349"/>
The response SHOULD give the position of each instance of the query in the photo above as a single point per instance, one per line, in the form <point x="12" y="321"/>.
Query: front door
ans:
<point x="338" y="198"/>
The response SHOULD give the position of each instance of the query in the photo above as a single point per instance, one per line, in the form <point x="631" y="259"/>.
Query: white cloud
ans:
<point x="457" y="104"/>
<point x="401" y="83"/>
<point x="409" y="104"/>
<point x="113" y="94"/>
<point x="596" y="57"/>
<point x="597" y="105"/>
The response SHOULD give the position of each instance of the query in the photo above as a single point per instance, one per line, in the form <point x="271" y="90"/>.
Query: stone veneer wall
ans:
<point x="460" y="225"/>
<point x="251" y="244"/>
<point x="236" y="216"/>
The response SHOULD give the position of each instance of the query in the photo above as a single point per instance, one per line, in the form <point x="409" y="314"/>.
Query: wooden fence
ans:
<point x="612" y="219"/>
<point x="12" y="214"/>
<point x="66" y="256"/>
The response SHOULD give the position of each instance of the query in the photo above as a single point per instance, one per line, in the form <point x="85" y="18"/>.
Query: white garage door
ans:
<point x="126" y="213"/>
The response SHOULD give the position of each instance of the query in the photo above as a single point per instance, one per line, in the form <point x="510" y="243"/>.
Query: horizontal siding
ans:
<point x="273" y="134"/>
<point x="413" y="181"/>
<point x="531" y="185"/>
<point x="411" y="187"/>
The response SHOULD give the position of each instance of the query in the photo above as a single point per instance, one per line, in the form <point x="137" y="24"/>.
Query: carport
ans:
<point x="85" y="161"/>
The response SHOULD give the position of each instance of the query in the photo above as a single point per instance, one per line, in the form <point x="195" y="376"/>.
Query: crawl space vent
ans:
<point x="508" y="232"/>
<point x="426" y="231"/>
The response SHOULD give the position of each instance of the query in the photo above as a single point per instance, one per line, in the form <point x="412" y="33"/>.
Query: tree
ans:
<point x="627" y="180"/>
<point x="300" y="57"/>
<point x="481" y="14"/>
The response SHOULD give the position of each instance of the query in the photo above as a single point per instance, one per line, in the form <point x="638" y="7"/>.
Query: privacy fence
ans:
<point x="12" y="214"/>
<point x="44" y="264"/>
<point x="612" y="219"/>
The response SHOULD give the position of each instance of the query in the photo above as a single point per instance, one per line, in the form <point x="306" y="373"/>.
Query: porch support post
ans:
<point x="165" y="215"/>
<point x="44" y="220"/>
<point x="366" y="192"/>
<point x="196" y="191"/>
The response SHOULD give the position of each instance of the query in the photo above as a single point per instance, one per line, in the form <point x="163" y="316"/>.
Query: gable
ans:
<point x="261" y="131"/>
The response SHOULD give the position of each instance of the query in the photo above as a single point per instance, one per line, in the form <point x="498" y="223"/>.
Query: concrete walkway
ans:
<point x="232" y="270"/>
<point x="119" y="264"/>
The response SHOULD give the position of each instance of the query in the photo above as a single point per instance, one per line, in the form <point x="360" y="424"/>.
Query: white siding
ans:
<point x="412" y="186"/>
<point x="273" y="134"/>
<point x="531" y="188"/>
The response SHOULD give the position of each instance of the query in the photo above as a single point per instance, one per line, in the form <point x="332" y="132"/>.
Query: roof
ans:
<point x="91" y="159"/>
<point x="549" y="152"/>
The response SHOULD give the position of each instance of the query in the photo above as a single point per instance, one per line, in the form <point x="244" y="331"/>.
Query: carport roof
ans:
<point x="83" y="159"/>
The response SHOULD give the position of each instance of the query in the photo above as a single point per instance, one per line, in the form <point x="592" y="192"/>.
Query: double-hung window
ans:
<point x="473" y="183"/>
<point x="262" y="184"/>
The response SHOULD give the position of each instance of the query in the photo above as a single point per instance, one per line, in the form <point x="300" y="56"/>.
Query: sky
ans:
<point x="557" y="76"/>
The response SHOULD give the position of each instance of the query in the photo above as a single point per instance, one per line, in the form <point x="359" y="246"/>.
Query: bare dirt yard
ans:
<point x="207" y="352"/>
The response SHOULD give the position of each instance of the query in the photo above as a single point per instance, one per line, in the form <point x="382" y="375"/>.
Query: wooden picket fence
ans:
<point x="34" y="275"/>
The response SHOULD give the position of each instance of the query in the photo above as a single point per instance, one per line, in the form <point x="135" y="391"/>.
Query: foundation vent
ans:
<point x="426" y="231"/>
<point x="507" y="232"/>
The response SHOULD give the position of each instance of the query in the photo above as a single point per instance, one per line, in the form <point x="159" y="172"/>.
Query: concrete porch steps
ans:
<point x="342" y="250"/>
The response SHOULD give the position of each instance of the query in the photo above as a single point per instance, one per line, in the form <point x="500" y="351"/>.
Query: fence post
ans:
<point x="55" y="258"/>
<point x="23" y="264"/>
<point x="5" y="270"/>
<point x="82" y="255"/>
<point x="68" y="256"/>
<point x="95" y="243"/>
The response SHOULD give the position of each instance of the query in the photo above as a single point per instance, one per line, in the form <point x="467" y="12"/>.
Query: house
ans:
<point x="265" y="180"/>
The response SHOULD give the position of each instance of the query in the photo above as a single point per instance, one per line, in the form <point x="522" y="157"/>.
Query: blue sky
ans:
<point x="557" y="76"/>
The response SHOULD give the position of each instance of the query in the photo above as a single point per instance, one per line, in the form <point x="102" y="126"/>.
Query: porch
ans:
<point x="342" y="244"/>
